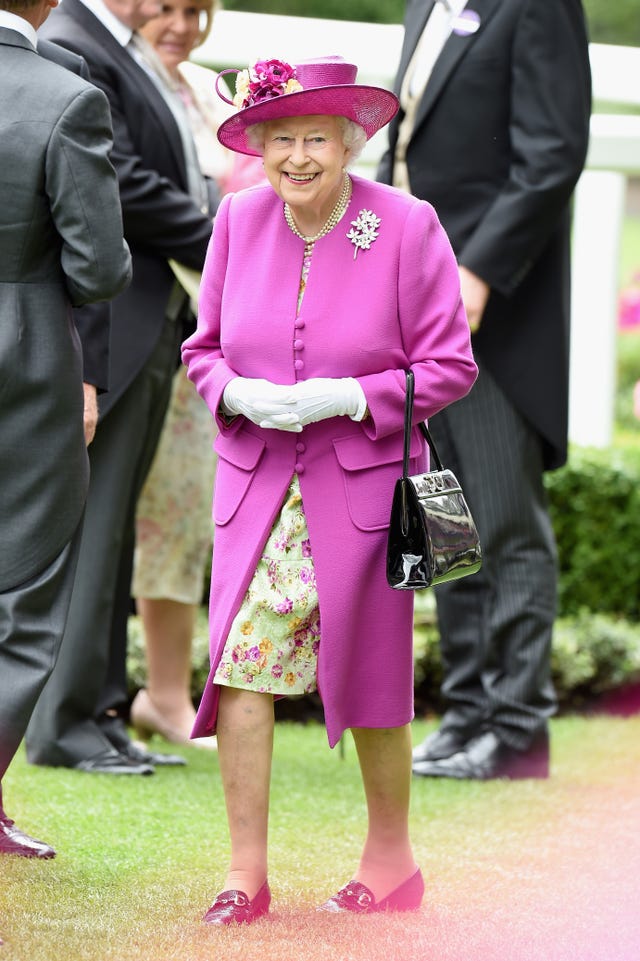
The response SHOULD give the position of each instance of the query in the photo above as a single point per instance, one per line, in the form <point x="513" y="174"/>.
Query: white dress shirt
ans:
<point x="117" y="28"/>
<point x="13" y="22"/>
<point x="436" y="32"/>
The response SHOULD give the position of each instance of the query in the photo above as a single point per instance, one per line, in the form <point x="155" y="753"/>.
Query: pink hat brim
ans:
<point x="370" y="107"/>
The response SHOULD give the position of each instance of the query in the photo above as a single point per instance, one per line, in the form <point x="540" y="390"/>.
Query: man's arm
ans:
<point x="83" y="193"/>
<point x="549" y="134"/>
<point x="94" y="320"/>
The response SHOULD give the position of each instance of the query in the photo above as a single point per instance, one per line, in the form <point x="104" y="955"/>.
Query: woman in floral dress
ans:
<point x="173" y="520"/>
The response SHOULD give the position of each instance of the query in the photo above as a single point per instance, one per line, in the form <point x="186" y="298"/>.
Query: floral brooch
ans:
<point x="364" y="230"/>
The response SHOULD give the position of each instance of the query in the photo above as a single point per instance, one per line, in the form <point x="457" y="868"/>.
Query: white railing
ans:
<point x="614" y="155"/>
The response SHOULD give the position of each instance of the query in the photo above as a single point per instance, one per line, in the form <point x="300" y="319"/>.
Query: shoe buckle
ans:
<point x="361" y="897"/>
<point x="225" y="899"/>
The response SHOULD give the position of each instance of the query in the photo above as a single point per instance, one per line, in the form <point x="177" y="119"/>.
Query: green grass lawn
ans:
<point x="524" y="871"/>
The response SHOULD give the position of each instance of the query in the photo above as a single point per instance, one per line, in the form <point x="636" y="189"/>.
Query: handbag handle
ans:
<point x="408" y="417"/>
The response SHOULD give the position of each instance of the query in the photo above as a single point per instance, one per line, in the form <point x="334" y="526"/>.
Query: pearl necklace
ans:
<point x="334" y="217"/>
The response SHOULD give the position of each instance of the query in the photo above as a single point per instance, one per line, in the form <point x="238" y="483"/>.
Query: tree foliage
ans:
<point x="614" y="21"/>
<point x="610" y="21"/>
<point x="372" y="11"/>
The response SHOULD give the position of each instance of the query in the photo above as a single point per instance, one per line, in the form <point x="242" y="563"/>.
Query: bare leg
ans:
<point x="385" y="761"/>
<point x="245" y="746"/>
<point x="168" y="630"/>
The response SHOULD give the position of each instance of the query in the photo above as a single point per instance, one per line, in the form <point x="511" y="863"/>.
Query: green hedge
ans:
<point x="614" y="21"/>
<point x="628" y="372"/>
<point x="371" y="11"/>
<point x="593" y="654"/>
<point x="595" y="508"/>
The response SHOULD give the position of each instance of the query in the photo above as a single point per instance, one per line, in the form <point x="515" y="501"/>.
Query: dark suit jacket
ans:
<point x="161" y="221"/>
<point x="60" y="245"/>
<point x="499" y="142"/>
<point x="64" y="58"/>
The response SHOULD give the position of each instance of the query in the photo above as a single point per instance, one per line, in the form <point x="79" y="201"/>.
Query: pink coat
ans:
<point x="394" y="305"/>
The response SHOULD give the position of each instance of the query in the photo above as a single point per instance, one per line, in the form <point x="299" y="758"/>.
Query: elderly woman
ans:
<point x="319" y="291"/>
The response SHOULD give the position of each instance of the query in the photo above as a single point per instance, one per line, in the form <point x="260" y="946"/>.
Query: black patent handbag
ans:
<point x="432" y="535"/>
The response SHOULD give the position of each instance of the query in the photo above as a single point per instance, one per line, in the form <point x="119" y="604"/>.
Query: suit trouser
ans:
<point x="32" y="622"/>
<point x="496" y="625"/>
<point x="64" y="728"/>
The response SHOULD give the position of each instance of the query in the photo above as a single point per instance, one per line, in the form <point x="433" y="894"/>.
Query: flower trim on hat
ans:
<point x="264" y="80"/>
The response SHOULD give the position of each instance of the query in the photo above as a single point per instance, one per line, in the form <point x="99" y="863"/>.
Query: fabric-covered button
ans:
<point x="298" y="364"/>
<point x="300" y="447"/>
<point x="299" y="468"/>
<point x="299" y="324"/>
<point x="298" y="345"/>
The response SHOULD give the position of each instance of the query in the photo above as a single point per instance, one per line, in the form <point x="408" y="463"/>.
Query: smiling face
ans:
<point x="176" y="31"/>
<point x="304" y="160"/>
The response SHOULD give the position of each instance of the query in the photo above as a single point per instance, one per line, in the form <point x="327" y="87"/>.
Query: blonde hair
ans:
<point x="209" y="8"/>
<point x="353" y="136"/>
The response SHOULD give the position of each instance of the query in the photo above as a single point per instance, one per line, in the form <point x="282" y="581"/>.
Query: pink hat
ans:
<point x="273" y="89"/>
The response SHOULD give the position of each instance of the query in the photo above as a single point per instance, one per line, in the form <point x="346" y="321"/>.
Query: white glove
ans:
<point x="321" y="397"/>
<point x="265" y="404"/>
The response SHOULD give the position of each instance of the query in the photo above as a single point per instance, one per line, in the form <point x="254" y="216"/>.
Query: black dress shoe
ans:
<point x="141" y="756"/>
<point x="15" y="841"/>
<point x="112" y="762"/>
<point x="486" y="756"/>
<point x="358" y="899"/>
<point x="441" y="743"/>
<point x="235" y="906"/>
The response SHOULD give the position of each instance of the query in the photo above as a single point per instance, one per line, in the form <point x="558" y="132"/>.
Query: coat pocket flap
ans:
<point x="360" y="453"/>
<point x="241" y="449"/>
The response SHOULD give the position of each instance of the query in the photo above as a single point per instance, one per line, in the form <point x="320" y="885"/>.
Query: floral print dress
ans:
<point x="274" y="640"/>
<point x="273" y="643"/>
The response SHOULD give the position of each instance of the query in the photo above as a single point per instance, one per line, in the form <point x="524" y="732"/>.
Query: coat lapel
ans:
<point x="417" y="16"/>
<point x="453" y="51"/>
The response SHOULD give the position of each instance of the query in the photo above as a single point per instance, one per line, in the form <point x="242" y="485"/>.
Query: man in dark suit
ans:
<point x="61" y="244"/>
<point x="493" y="132"/>
<point x="167" y="212"/>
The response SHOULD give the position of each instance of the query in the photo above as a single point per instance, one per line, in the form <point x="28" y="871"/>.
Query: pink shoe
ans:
<point x="235" y="906"/>
<point x="358" y="898"/>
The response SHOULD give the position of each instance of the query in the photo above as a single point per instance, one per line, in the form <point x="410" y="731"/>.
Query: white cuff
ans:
<point x="362" y="402"/>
